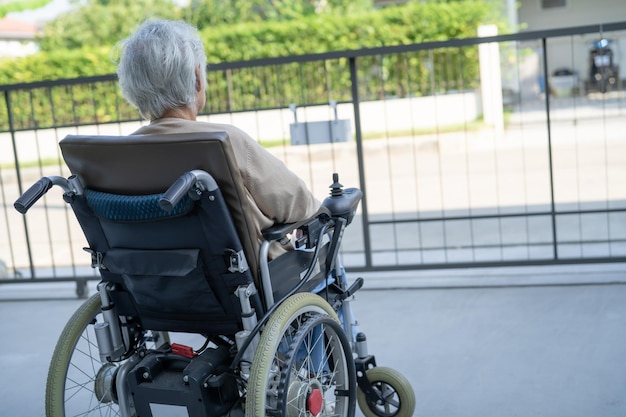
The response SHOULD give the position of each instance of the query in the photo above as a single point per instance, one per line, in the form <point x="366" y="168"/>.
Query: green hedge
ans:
<point x="400" y="25"/>
<point x="61" y="64"/>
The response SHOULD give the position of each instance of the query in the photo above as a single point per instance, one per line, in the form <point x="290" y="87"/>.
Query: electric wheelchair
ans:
<point x="168" y="227"/>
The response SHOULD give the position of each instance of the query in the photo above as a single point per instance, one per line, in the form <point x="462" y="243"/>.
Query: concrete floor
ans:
<point x="553" y="348"/>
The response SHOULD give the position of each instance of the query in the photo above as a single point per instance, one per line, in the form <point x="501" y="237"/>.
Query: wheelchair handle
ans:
<point x="34" y="193"/>
<point x="183" y="184"/>
<point x="177" y="190"/>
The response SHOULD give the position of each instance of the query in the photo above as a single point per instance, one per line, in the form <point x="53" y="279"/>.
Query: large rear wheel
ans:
<point x="78" y="383"/>
<point x="272" y="383"/>
<point x="319" y="378"/>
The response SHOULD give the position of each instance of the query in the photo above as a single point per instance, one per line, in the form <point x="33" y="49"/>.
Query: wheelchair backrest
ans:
<point x="149" y="164"/>
<point x="174" y="270"/>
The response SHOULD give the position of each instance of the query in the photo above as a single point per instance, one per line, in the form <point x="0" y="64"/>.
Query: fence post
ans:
<point x="19" y="180"/>
<point x="491" y="79"/>
<point x="354" y="79"/>
<point x="555" y="248"/>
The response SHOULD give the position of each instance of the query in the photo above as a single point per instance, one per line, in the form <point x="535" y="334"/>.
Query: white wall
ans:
<point x="14" y="49"/>
<point x="377" y="117"/>
<point x="574" y="13"/>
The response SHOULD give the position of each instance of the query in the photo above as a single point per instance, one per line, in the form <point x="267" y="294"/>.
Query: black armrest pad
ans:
<point x="278" y="231"/>
<point x="345" y="204"/>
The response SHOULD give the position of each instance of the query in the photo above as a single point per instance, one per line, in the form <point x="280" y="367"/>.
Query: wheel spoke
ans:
<point x="74" y="365"/>
<point x="315" y="362"/>
<point x="78" y="387"/>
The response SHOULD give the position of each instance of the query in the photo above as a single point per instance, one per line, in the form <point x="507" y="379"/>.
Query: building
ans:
<point x="577" y="58"/>
<point x="552" y="14"/>
<point x="581" y="58"/>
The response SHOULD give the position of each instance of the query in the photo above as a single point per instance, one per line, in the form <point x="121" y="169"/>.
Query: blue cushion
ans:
<point x="133" y="207"/>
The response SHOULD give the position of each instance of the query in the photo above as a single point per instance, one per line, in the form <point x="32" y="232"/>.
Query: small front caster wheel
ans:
<point x="398" y="398"/>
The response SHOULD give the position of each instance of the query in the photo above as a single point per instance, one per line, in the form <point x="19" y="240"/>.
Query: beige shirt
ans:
<point x="275" y="193"/>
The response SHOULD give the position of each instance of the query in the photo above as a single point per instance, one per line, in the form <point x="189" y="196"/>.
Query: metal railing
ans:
<point x="503" y="150"/>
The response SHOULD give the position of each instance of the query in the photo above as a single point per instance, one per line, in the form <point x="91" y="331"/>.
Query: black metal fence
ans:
<point x="504" y="150"/>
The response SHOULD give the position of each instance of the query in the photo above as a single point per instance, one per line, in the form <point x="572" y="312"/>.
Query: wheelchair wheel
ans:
<point x="394" y="388"/>
<point x="275" y="381"/>
<point x="78" y="383"/>
<point x="318" y="375"/>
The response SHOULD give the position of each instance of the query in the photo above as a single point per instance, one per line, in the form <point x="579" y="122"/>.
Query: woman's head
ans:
<point x="161" y="66"/>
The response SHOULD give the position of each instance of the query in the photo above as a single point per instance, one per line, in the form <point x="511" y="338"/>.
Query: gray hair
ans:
<point x="157" y="67"/>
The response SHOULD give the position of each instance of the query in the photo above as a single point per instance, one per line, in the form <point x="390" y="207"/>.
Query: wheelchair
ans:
<point x="191" y="318"/>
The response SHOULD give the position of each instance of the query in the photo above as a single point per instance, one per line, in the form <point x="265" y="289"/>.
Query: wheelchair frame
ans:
<point x="263" y="352"/>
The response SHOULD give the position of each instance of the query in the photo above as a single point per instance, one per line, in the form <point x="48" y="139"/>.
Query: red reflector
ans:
<point x="315" y="402"/>
<point x="183" y="350"/>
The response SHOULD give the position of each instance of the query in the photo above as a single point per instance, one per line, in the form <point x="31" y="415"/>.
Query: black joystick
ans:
<point x="342" y="203"/>
<point x="336" y="188"/>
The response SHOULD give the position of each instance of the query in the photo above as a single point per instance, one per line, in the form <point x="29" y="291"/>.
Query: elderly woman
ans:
<point x="162" y="72"/>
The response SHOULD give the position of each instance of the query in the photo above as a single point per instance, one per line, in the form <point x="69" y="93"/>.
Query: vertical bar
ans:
<point x="55" y="125"/>
<point x="41" y="173"/>
<point x="555" y="248"/>
<point x="354" y="81"/>
<point x="7" y="223"/>
<point x="19" y="181"/>
<point x="229" y="85"/>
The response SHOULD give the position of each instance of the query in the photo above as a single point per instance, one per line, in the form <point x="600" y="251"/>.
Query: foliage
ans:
<point x="55" y="65"/>
<point x="66" y="104"/>
<point x="399" y="25"/>
<point x="102" y="23"/>
<point x="20" y="6"/>
<point x="209" y="13"/>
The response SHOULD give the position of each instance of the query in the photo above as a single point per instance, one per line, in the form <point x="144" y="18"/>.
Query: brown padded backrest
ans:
<point x="149" y="164"/>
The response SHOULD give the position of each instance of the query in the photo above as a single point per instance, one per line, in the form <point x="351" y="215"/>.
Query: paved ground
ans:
<point x="553" y="344"/>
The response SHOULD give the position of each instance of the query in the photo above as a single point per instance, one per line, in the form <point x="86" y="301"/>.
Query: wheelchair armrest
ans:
<point x="279" y="231"/>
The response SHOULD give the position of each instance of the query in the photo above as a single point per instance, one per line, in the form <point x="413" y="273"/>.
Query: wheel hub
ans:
<point x="305" y="395"/>
<point x="104" y="385"/>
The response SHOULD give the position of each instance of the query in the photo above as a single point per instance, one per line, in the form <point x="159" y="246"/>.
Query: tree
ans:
<point x="207" y="13"/>
<point x="102" y="22"/>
